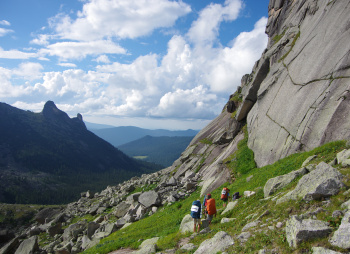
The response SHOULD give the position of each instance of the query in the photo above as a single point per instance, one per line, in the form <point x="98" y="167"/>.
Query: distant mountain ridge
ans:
<point x="49" y="157"/>
<point x="160" y="150"/>
<point x="124" y="134"/>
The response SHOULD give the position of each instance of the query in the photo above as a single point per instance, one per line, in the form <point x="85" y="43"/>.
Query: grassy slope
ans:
<point x="165" y="223"/>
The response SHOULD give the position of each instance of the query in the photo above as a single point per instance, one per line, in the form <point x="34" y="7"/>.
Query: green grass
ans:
<point x="206" y="141"/>
<point x="166" y="222"/>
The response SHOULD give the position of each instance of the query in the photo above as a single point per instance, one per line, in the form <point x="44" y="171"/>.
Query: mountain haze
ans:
<point x="160" y="150"/>
<point x="125" y="134"/>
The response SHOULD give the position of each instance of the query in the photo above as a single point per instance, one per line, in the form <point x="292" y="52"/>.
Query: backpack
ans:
<point x="224" y="193"/>
<point x="196" y="209"/>
<point x="236" y="196"/>
<point x="211" y="208"/>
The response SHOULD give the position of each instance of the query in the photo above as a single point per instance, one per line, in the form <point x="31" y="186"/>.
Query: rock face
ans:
<point x="341" y="237"/>
<point x="301" y="100"/>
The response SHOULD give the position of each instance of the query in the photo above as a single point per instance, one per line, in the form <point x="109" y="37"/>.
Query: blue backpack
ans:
<point x="196" y="209"/>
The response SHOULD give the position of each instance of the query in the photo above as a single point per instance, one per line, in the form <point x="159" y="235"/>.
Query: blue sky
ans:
<point x="146" y="63"/>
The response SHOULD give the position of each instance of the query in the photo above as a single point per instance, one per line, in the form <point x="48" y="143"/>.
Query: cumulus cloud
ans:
<point x="4" y="23"/>
<point x="206" y="28"/>
<point x="68" y="65"/>
<point x="16" y="54"/>
<point x="102" y="59"/>
<point x="79" y="50"/>
<point x="125" y="19"/>
<point x="29" y="71"/>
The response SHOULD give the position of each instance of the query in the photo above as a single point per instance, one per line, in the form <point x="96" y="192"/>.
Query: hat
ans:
<point x="209" y="196"/>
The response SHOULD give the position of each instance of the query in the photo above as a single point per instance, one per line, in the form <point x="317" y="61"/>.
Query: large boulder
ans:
<point x="230" y="207"/>
<point x="29" y="245"/>
<point x="72" y="232"/>
<point x="299" y="230"/>
<point x="220" y="242"/>
<point x="322" y="182"/>
<point x="148" y="246"/>
<point x="341" y="237"/>
<point x="46" y="215"/>
<point x="121" y="209"/>
<point x="150" y="198"/>
<point x="276" y="183"/>
<point x="186" y="224"/>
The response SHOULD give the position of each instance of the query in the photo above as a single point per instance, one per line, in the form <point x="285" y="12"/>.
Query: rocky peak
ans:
<point x="50" y="111"/>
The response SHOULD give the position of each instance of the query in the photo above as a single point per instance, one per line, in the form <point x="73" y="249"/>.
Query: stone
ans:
<point x="243" y="237"/>
<point x="186" y="224"/>
<point x="148" y="246"/>
<point x="29" y="245"/>
<point x="346" y="205"/>
<point x="279" y="182"/>
<point x="188" y="247"/>
<point x="251" y="225"/>
<point x="230" y="206"/>
<point x="91" y="228"/>
<point x="54" y="229"/>
<point x="74" y="230"/>
<point x="343" y="158"/>
<point x="121" y="209"/>
<point x="298" y="230"/>
<point x="341" y="237"/>
<point x="219" y="243"/>
<point x="10" y="247"/>
<point x="321" y="250"/>
<point x="226" y="220"/>
<point x="308" y="160"/>
<point x="249" y="193"/>
<point x="47" y="214"/>
<point x="323" y="182"/>
<point x="150" y="198"/>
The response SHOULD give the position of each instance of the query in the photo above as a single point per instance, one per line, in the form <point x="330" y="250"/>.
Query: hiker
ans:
<point x="196" y="214"/>
<point x="211" y="208"/>
<point x="205" y="205"/>
<point x="225" y="193"/>
<point x="235" y="196"/>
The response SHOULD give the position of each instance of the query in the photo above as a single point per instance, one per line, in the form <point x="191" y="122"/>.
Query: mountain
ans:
<point x="281" y="141"/>
<point x="48" y="157"/>
<point x="96" y="126"/>
<point x="160" y="150"/>
<point x="125" y="134"/>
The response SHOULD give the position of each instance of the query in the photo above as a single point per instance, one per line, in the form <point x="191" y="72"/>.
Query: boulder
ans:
<point x="186" y="224"/>
<point x="219" y="243"/>
<point x="29" y="245"/>
<point x="341" y="237"/>
<point x="54" y="229"/>
<point x="46" y="215"/>
<point x="299" y="230"/>
<point x="276" y="183"/>
<point x="346" y="205"/>
<point x="322" y="182"/>
<point x="343" y="158"/>
<point x="74" y="230"/>
<point x="230" y="206"/>
<point x="148" y="246"/>
<point x="226" y="220"/>
<point x="121" y="209"/>
<point x="10" y="247"/>
<point x="150" y="198"/>
<point x="251" y="225"/>
<point x="91" y="228"/>
<point x="243" y="237"/>
<point x="188" y="247"/>
<point x="321" y="250"/>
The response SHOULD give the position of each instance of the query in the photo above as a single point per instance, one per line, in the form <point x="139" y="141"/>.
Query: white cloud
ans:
<point x="69" y="65"/>
<point x="4" y="31"/>
<point x="16" y="54"/>
<point x="79" y="50"/>
<point x="4" y="23"/>
<point x="190" y="103"/>
<point x="42" y="39"/>
<point x="29" y="71"/>
<point x="100" y="19"/>
<point x="206" y="28"/>
<point x="102" y="59"/>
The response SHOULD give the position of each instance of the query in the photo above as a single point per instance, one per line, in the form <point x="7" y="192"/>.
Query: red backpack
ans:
<point x="224" y="193"/>
<point x="211" y="208"/>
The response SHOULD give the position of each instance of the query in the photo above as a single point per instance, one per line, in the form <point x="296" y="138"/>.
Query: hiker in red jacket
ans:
<point x="225" y="193"/>
<point x="211" y="208"/>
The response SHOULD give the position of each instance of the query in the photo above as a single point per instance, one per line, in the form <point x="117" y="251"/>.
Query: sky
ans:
<point x="154" y="64"/>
